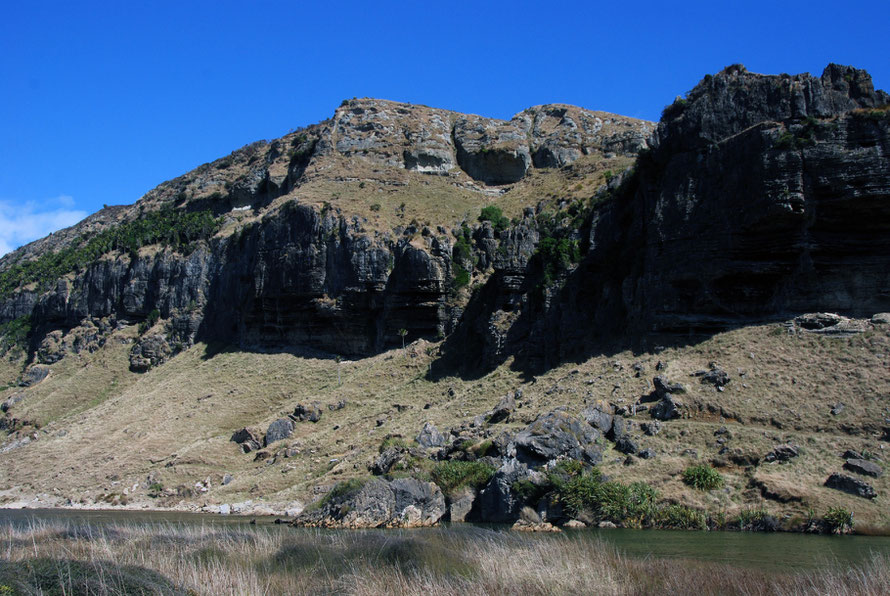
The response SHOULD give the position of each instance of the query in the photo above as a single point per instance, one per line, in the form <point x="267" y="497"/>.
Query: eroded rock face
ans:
<point x="498" y="501"/>
<point x="761" y="196"/>
<point x="149" y="352"/>
<point x="433" y="141"/>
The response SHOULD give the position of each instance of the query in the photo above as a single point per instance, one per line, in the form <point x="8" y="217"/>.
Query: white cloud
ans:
<point x="22" y="222"/>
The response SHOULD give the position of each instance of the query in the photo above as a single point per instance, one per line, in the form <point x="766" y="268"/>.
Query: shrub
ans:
<point x="494" y="214"/>
<point x="528" y="491"/>
<point x="454" y="475"/>
<point x="15" y="333"/>
<point x="153" y="317"/>
<point x="757" y="520"/>
<point x="461" y="277"/>
<point x="578" y="493"/>
<point x="375" y="207"/>
<point x="176" y="229"/>
<point x="557" y="255"/>
<point x="702" y="477"/>
<point x="838" y="520"/>
<point x="675" y="109"/>
<point x="680" y="517"/>
<point x="462" y="251"/>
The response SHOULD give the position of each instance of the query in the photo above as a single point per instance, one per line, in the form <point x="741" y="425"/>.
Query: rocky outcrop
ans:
<point x="761" y="197"/>
<point x="758" y="197"/>
<point x="377" y="503"/>
<point x="863" y="466"/>
<point x="851" y="485"/>
<point x="555" y="435"/>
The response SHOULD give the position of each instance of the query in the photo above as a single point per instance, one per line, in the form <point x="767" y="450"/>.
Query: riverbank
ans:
<point x="147" y="558"/>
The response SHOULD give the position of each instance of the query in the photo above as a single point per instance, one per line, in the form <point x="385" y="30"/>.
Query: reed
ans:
<point x="52" y="558"/>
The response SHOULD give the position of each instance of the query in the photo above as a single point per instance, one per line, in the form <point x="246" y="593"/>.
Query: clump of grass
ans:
<point x="453" y="475"/>
<point x="838" y="520"/>
<point x="702" y="477"/>
<point x="680" y="517"/>
<point x="389" y="442"/>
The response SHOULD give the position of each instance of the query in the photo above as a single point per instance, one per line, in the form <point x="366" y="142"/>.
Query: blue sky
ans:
<point x="102" y="101"/>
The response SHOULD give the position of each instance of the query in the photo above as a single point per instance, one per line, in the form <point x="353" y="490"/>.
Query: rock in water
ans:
<point x="377" y="503"/>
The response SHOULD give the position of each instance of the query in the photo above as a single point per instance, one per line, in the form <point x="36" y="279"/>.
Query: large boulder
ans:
<point x="599" y="417"/>
<point x="499" y="503"/>
<point x="782" y="452"/>
<point x="504" y="408"/>
<point x="555" y="435"/>
<point x="393" y="457"/>
<point x="278" y="430"/>
<point x="663" y="387"/>
<point x="377" y="503"/>
<point x="248" y="438"/>
<point x="667" y="408"/>
<point x="461" y="504"/>
<point x="851" y="485"/>
<point x="148" y="352"/>
<point x="11" y="401"/>
<point x="34" y="374"/>
<point x="863" y="466"/>
<point x="430" y="436"/>
<point x="310" y="412"/>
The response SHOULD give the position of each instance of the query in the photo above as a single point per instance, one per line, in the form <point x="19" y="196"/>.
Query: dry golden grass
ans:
<point x="101" y="441"/>
<point x="52" y="558"/>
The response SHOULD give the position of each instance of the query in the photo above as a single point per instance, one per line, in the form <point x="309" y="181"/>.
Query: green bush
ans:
<point x="557" y="255"/>
<point x="838" y="520"/>
<point x="462" y="251"/>
<point x="461" y="277"/>
<point x="494" y="214"/>
<point x="153" y="317"/>
<point x="578" y="493"/>
<point x="702" y="477"/>
<point x="675" y="109"/>
<point x="454" y="475"/>
<point x="15" y="334"/>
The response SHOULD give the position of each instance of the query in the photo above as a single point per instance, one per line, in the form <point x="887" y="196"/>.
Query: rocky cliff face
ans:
<point x="290" y="269"/>
<point x="756" y="196"/>
<point x="761" y="197"/>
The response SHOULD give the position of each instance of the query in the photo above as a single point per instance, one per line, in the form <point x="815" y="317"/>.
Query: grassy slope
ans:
<point x="175" y="421"/>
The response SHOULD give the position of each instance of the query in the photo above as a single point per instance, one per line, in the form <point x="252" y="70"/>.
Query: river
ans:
<point x="779" y="551"/>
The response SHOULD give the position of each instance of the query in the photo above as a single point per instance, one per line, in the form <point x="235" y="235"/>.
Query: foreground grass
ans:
<point x="57" y="558"/>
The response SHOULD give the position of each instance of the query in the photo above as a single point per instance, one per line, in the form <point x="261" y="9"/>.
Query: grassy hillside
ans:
<point x="107" y="436"/>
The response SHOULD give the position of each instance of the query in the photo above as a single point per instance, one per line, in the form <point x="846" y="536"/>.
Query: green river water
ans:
<point x="779" y="551"/>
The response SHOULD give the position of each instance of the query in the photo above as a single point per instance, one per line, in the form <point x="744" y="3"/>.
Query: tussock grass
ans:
<point x="59" y="558"/>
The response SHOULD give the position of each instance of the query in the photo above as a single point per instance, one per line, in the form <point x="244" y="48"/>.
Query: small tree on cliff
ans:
<point x="402" y="333"/>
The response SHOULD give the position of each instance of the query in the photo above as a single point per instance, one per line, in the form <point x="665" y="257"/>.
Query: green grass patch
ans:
<point x="702" y="477"/>
<point x="451" y="476"/>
